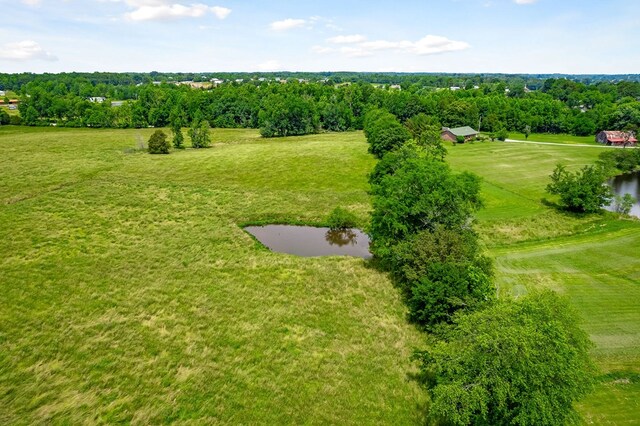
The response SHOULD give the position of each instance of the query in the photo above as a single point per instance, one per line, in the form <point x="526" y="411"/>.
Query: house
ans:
<point x="452" y="134"/>
<point x="617" y="138"/>
<point x="97" y="99"/>
<point x="395" y="87"/>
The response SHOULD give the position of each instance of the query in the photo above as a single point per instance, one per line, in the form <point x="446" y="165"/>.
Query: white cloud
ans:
<point x="24" y="51"/>
<point x="31" y="2"/>
<point x="525" y="1"/>
<point x="431" y="44"/>
<point x="321" y="49"/>
<point x="355" y="52"/>
<point x="152" y="11"/>
<point x="270" y="65"/>
<point x="347" y="39"/>
<point x="359" y="47"/>
<point x="287" y="24"/>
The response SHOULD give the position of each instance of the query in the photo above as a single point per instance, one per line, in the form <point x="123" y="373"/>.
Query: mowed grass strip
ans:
<point x="130" y="294"/>
<point x="594" y="260"/>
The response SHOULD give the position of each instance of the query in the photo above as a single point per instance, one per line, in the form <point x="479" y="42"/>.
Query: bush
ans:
<point x="15" y="120"/>
<point x="513" y="363"/>
<point x="158" y="143"/>
<point x="502" y="135"/>
<point x="340" y="218"/>
<point x="584" y="191"/>
<point x="4" y="117"/>
<point x="623" y="204"/>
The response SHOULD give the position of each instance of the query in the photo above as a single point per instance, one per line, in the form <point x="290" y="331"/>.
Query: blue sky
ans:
<point x="510" y="36"/>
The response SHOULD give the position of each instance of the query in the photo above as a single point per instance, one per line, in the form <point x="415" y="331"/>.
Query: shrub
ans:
<point x="4" y="117"/>
<point x="158" y="143"/>
<point x="15" y="120"/>
<point x="502" y="135"/>
<point x="340" y="218"/>
<point x="623" y="204"/>
<point x="460" y="139"/>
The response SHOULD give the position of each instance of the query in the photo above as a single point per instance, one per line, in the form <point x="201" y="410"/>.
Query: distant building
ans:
<point x="97" y="99"/>
<point x="452" y="134"/>
<point x="616" y="138"/>
<point x="395" y="87"/>
<point x="3" y="93"/>
<point x="454" y="88"/>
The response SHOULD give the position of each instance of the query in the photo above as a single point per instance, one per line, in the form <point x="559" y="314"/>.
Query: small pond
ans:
<point x="628" y="183"/>
<point x="308" y="241"/>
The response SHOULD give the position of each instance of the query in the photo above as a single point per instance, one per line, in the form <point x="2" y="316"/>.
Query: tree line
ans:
<point x="294" y="108"/>
<point x="488" y="361"/>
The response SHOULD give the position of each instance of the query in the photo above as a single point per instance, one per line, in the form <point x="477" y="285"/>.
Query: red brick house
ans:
<point x="616" y="138"/>
<point x="452" y="134"/>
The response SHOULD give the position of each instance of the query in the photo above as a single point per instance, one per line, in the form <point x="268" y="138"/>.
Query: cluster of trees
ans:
<point x="586" y="191"/>
<point x="557" y="106"/>
<point x="499" y="362"/>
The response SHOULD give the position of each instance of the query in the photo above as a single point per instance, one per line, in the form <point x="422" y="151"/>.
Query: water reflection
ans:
<point x="309" y="241"/>
<point x="628" y="183"/>
<point x="341" y="237"/>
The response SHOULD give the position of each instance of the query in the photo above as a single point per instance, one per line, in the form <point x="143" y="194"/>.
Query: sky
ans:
<point x="471" y="36"/>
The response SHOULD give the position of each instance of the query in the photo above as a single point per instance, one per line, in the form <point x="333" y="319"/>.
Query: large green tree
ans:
<point x="514" y="363"/>
<point x="422" y="194"/>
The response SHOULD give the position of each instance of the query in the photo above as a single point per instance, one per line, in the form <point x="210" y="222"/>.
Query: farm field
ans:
<point x="131" y="294"/>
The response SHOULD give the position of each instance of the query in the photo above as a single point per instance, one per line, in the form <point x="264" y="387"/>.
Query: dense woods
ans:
<point x="295" y="104"/>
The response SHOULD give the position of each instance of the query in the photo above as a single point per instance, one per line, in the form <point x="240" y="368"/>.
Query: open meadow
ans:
<point x="131" y="293"/>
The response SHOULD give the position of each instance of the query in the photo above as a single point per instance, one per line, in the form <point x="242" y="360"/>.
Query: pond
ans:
<point x="309" y="241"/>
<point x="628" y="183"/>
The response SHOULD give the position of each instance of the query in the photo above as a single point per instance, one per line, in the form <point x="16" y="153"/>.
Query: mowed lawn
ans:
<point x="594" y="260"/>
<point x="130" y="294"/>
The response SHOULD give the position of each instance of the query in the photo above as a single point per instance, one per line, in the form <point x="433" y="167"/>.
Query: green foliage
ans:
<point x="287" y="116"/>
<point x="460" y="139"/>
<point x="393" y="160"/>
<point x="15" y="120"/>
<point x="4" y="117"/>
<point x="158" y="143"/>
<point x="625" y="160"/>
<point x="623" y="204"/>
<point x="440" y="273"/>
<point x="502" y="134"/>
<point x="341" y="218"/>
<point x="584" y="191"/>
<point x="422" y="194"/>
<point x="420" y="124"/>
<point x="513" y="363"/>
<point x="178" y="137"/>
<point x="384" y="133"/>
<point x="199" y="134"/>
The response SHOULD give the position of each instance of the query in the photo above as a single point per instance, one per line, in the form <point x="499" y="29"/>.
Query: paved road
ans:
<point x="562" y="144"/>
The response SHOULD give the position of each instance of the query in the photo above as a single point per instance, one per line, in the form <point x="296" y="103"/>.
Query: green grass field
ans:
<point x="548" y="137"/>
<point x="130" y="294"/>
<point x="593" y="260"/>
